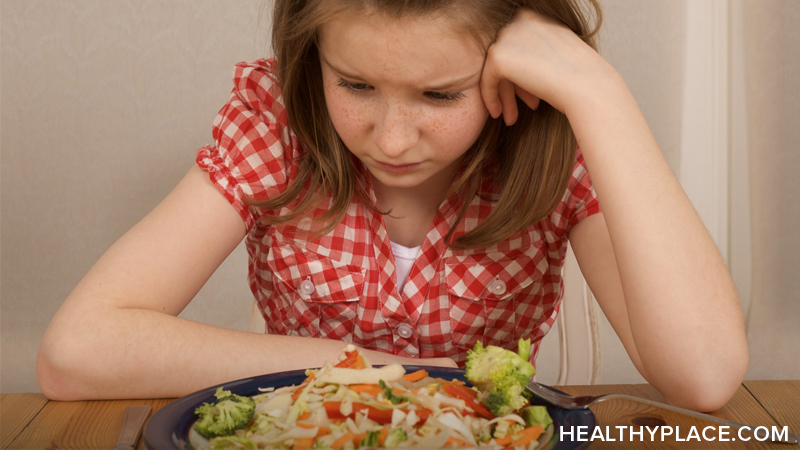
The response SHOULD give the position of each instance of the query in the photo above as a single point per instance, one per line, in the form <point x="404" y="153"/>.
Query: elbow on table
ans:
<point x="58" y="370"/>
<point x="709" y="390"/>
<point x="702" y="399"/>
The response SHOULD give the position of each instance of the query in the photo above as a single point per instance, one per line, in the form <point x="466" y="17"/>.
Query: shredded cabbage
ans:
<point x="337" y="407"/>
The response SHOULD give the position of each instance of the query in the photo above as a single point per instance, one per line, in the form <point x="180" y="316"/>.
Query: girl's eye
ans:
<point x="444" y="97"/>
<point x="441" y="98"/>
<point x="356" y="87"/>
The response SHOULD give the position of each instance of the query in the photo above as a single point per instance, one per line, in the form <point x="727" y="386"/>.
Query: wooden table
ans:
<point x="30" y="421"/>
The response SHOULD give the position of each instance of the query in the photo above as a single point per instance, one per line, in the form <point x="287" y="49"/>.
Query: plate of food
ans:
<point x="350" y="405"/>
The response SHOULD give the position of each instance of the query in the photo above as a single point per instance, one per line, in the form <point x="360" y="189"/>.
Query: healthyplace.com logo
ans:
<point x="662" y="433"/>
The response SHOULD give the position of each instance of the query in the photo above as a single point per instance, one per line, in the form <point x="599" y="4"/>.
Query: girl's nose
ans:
<point x="396" y="129"/>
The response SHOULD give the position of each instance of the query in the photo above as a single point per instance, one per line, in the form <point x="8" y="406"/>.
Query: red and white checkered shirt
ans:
<point x="343" y="286"/>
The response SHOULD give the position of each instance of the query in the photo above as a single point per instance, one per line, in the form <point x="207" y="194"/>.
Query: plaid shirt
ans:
<point x="343" y="286"/>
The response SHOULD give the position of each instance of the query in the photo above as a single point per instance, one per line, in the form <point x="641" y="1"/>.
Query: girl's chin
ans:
<point x="406" y="180"/>
<point x="398" y="184"/>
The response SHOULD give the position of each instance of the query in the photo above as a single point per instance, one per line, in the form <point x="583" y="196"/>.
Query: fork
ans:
<point x="565" y="401"/>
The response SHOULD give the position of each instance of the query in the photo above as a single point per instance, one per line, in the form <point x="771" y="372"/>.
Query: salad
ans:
<point x="352" y="405"/>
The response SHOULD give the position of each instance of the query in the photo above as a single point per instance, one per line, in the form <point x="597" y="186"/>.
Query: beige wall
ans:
<point x="773" y="109"/>
<point x="104" y="104"/>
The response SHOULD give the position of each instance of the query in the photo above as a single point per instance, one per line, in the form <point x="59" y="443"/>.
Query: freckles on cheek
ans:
<point x="348" y="116"/>
<point x="460" y="128"/>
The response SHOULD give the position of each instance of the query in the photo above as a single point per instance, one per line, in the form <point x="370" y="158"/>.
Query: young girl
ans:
<point x="407" y="176"/>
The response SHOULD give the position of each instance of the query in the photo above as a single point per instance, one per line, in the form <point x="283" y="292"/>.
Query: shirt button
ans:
<point x="497" y="286"/>
<point x="405" y="331"/>
<point x="307" y="287"/>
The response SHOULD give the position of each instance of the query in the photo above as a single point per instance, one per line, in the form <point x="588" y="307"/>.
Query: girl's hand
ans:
<point x="536" y="58"/>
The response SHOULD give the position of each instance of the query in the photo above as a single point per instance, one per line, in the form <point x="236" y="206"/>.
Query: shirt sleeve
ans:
<point x="579" y="201"/>
<point x="253" y="147"/>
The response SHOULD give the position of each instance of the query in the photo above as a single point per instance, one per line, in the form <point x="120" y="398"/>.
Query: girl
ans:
<point x="407" y="176"/>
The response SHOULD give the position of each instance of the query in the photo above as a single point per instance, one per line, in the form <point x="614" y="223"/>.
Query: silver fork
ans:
<point x="569" y="402"/>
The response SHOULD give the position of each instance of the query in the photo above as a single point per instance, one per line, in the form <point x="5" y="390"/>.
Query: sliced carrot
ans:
<point x="302" y="386"/>
<point x="384" y="434"/>
<point x="524" y="436"/>
<point x="359" y="364"/>
<point x="463" y="388"/>
<point x="416" y="376"/>
<point x="459" y="442"/>
<point x="371" y="389"/>
<point x="536" y="429"/>
<point x="503" y="441"/>
<point x="357" y="438"/>
<point x="303" y="444"/>
<point x="343" y="439"/>
<point x="349" y="360"/>
<point x="466" y="394"/>
<point x="524" y="440"/>
<point x="321" y="431"/>
<point x="297" y="393"/>
<point x="528" y="434"/>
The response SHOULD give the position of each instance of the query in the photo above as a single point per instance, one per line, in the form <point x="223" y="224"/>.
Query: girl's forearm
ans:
<point x="138" y="353"/>
<point x="682" y="305"/>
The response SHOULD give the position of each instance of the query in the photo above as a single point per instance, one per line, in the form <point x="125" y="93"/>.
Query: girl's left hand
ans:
<point x="536" y="58"/>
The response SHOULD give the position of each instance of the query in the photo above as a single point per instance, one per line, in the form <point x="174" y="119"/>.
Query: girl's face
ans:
<point x="403" y="95"/>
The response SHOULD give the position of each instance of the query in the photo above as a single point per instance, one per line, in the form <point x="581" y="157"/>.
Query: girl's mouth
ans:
<point x="397" y="169"/>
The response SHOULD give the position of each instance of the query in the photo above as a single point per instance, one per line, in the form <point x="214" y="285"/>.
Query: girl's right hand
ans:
<point x="535" y="58"/>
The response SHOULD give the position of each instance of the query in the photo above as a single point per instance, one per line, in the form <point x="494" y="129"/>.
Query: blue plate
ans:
<point x="168" y="429"/>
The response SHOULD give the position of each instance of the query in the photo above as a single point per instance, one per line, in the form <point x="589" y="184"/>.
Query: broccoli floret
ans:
<point x="371" y="440"/>
<point x="536" y="415"/>
<point x="230" y="413"/>
<point x="390" y="395"/>
<point x="395" y="437"/>
<point x="500" y="375"/>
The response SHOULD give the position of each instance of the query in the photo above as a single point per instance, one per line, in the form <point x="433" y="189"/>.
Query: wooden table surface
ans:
<point x="31" y="421"/>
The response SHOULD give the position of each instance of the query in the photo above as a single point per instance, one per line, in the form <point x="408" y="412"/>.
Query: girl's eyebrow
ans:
<point x="455" y="82"/>
<point x="442" y="87"/>
<point x="341" y="72"/>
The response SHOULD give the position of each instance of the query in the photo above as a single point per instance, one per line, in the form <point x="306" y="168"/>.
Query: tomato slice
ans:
<point x="423" y="415"/>
<point x="382" y="416"/>
<point x="466" y="394"/>
<point x="472" y="393"/>
<point x="378" y="415"/>
<point x="350" y="360"/>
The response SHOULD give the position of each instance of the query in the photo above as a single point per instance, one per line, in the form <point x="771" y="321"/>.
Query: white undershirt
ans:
<point x="403" y="260"/>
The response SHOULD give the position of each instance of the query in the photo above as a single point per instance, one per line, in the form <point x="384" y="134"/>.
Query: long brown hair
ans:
<point x="530" y="162"/>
